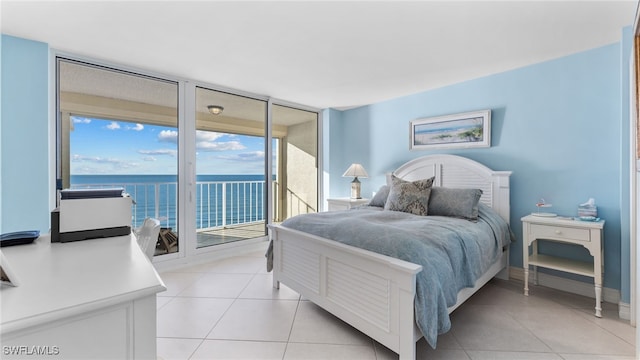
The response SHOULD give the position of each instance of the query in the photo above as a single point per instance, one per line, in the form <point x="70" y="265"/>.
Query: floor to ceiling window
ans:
<point x="119" y="129"/>
<point x="215" y="167"/>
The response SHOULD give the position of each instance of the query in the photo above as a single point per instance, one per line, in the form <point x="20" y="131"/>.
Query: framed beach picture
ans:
<point x="464" y="130"/>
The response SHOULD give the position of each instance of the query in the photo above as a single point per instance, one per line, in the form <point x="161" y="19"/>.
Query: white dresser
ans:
<point x="92" y="299"/>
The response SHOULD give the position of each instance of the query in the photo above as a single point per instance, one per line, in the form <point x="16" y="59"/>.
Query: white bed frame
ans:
<point x="372" y="292"/>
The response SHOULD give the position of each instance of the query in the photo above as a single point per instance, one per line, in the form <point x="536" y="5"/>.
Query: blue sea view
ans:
<point x="156" y="196"/>
<point x="429" y="130"/>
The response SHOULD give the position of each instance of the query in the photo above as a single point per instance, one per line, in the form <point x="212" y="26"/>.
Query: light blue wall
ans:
<point x="24" y="135"/>
<point x="557" y="125"/>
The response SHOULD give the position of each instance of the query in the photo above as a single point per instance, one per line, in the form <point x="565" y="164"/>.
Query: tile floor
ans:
<point x="229" y="310"/>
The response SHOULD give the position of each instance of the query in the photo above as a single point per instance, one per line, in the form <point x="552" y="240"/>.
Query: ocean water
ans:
<point x="220" y="199"/>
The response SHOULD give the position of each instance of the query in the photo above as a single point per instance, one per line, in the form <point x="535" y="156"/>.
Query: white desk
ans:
<point x="89" y="299"/>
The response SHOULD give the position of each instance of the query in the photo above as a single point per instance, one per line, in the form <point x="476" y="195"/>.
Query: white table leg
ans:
<point x="526" y="281"/>
<point x="598" y="300"/>
<point x="534" y="248"/>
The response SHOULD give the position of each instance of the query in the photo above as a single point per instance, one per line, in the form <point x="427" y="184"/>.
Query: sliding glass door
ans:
<point x="231" y="183"/>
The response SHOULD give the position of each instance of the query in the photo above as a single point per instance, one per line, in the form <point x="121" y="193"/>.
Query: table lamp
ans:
<point x="355" y="170"/>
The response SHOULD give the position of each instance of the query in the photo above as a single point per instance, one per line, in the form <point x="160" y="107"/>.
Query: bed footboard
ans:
<point x="369" y="291"/>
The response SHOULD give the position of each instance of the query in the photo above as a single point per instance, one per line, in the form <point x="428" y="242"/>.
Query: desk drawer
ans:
<point x="559" y="232"/>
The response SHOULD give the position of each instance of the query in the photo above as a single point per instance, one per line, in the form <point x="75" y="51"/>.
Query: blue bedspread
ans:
<point x="453" y="252"/>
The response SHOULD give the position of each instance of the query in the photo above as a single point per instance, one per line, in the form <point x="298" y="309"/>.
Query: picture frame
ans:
<point x="455" y="131"/>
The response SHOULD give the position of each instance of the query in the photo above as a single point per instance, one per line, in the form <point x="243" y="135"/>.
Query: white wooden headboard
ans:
<point x="458" y="172"/>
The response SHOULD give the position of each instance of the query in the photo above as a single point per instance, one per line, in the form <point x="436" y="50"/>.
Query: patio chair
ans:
<point x="167" y="240"/>
<point x="147" y="235"/>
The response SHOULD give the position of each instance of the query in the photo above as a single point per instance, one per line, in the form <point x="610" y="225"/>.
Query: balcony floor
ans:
<point x="230" y="233"/>
<point x="222" y="235"/>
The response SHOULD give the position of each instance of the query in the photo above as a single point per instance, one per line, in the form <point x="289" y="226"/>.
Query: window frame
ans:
<point x="186" y="149"/>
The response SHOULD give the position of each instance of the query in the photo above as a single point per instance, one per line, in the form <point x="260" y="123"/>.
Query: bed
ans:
<point x="376" y="293"/>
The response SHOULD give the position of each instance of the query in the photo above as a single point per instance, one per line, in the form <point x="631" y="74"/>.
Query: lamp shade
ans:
<point x="356" y="170"/>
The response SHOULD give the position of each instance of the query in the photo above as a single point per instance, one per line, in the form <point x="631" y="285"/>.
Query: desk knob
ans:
<point x="558" y="232"/>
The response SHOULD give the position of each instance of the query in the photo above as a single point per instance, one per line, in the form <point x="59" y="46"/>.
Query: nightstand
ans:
<point x="584" y="233"/>
<point x="345" y="203"/>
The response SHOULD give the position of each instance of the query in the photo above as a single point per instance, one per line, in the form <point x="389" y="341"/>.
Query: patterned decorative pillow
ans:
<point x="461" y="203"/>
<point x="409" y="196"/>
<point x="380" y="198"/>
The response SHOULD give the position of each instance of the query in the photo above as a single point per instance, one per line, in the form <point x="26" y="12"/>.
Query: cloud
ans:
<point x="95" y="159"/>
<point x="219" y="146"/>
<point x="244" y="157"/>
<point x="80" y="120"/>
<point x="116" y="163"/>
<point x="206" y="141"/>
<point x="138" y="127"/>
<point x="207" y="136"/>
<point x="168" y="152"/>
<point x="113" y="126"/>
<point x="170" y="136"/>
<point x="149" y="158"/>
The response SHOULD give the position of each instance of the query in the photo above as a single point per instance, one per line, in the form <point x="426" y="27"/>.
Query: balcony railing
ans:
<point x="218" y="203"/>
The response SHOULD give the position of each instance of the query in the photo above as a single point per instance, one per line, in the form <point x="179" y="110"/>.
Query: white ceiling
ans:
<point x="326" y="53"/>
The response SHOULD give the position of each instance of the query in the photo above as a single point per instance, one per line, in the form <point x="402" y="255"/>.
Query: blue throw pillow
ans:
<point x="460" y="203"/>
<point x="380" y="198"/>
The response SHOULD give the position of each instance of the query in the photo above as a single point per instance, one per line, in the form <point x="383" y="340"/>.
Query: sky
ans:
<point x="118" y="147"/>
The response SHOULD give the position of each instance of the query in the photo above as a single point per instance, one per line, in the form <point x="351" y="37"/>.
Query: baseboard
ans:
<point x="576" y="287"/>
<point x="624" y="311"/>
